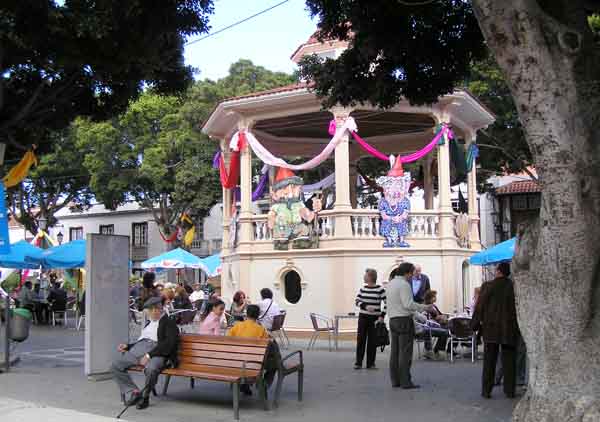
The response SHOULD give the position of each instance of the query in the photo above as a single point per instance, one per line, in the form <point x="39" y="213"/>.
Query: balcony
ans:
<point x="206" y="247"/>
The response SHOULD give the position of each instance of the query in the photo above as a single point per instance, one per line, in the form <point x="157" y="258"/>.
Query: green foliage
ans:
<point x="154" y="152"/>
<point x="11" y="282"/>
<point x="502" y="145"/>
<point x="59" y="180"/>
<point x="59" y="60"/>
<point x="416" y="52"/>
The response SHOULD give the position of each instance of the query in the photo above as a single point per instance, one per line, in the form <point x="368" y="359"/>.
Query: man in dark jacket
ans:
<point x="420" y="285"/>
<point x="155" y="349"/>
<point x="496" y="318"/>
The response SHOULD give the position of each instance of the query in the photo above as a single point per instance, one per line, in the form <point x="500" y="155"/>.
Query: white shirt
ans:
<point x="196" y="296"/>
<point x="266" y="317"/>
<point x="150" y="331"/>
<point x="400" y="302"/>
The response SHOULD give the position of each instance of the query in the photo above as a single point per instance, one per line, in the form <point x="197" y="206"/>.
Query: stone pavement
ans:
<point x="49" y="383"/>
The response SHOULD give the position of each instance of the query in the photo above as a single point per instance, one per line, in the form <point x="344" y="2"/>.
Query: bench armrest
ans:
<point x="297" y="352"/>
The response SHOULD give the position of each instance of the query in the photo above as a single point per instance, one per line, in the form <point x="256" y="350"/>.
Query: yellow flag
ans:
<point x="20" y="171"/>
<point x="189" y="236"/>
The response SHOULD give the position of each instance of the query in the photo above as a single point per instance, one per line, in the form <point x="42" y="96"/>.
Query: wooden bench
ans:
<point x="233" y="360"/>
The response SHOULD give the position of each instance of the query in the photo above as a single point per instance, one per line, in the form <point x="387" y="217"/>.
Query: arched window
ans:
<point x="292" y="286"/>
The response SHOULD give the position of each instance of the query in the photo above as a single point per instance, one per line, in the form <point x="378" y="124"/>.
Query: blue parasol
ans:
<point x="502" y="252"/>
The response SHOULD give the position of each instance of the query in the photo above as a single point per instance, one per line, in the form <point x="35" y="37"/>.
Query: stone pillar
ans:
<point x="474" y="239"/>
<point x="227" y="196"/>
<point x="446" y="222"/>
<point x="428" y="183"/>
<point x="245" y="235"/>
<point x="343" y="225"/>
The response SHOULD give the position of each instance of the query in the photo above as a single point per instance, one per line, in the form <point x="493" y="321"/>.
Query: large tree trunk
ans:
<point x="552" y="67"/>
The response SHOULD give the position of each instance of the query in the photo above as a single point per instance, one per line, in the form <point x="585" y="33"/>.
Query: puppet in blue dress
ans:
<point x="394" y="207"/>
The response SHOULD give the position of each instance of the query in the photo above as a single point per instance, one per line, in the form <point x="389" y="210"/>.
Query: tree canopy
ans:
<point x="59" y="60"/>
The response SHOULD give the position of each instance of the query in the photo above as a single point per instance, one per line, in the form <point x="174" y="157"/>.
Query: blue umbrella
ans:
<point x="502" y="252"/>
<point x="67" y="255"/>
<point x="211" y="265"/>
<point x="175" y="259"/>
<point x="16" y="258"/>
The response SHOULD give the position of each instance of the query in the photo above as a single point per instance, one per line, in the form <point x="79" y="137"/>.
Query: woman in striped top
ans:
<point x="368" y="299"/>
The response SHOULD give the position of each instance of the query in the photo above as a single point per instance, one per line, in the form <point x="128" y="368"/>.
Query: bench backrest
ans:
<point x="221" y="352"/>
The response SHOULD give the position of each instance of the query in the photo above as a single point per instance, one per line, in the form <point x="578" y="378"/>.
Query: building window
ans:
<point x="535" y="201"/>
<point x="140" y="234"/>
<point x="519" y="202"/>
<point x="107" y="229"/>
<point x="75" y="233"/>
<point x="292" y="286"/>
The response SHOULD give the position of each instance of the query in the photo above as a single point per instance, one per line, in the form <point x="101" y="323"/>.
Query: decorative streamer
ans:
<point x="20" y="171"/>
<point x="472" y="155"/>
<point x="268" y="158"/>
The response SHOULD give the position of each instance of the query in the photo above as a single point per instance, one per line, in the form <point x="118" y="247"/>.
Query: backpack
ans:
<point x="382" y="335"/>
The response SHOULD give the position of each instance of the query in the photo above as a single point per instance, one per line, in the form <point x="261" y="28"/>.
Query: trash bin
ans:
<point x="20" y="321"/>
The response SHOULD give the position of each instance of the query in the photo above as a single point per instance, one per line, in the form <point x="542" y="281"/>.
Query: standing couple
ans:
<point x="400" y="307"/>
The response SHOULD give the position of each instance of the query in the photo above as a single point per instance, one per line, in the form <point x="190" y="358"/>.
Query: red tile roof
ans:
<point x="521" y="186"/>
<point x="286" y="88"/>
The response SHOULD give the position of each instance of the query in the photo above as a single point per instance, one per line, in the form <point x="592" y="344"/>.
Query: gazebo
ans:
<point x="290" y="122"/>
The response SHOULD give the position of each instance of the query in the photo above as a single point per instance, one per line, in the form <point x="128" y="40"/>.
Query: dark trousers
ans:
<point x="490" y="357"/>
<point x="365" y="338"/>
<point x="402" y="333"/>
<point x="442" y="339"/>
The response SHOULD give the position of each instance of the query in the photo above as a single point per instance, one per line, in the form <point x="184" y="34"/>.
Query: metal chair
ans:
<point x="329" y="328"/>
<point x="277" y="328"/>
<point x="461" y="333"/>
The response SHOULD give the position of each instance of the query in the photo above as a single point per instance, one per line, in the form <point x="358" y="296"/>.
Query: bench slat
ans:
<point x="221" y="348"/>
<point x="220" y="363"/>
<point x="250" y="377"/>
<point x="183" y="354"/>
<point x="233" y="341"/>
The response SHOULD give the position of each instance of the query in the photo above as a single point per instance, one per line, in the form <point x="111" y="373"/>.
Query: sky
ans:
<point x="268" y="40"/>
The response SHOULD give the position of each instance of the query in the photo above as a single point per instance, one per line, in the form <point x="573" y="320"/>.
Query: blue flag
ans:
<point x="4" y="240"/>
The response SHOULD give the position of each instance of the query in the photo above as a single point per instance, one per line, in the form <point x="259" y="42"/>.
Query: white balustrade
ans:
<point x="326" y="226"/>
<point x="261" y="228"/>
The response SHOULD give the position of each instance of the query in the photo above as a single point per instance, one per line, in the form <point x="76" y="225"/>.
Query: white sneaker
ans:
<point x="428" y="354"/>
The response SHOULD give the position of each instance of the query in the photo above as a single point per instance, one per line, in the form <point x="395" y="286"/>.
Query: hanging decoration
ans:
<point x="188" y="238"/>
<point x="229" y="177"/>
<point x="260" y="188"/>
<point x="268" y="158"/>
<point x="394" y="207"/>
<point x="289" y="218"/>
<point x="171" y="238"/>
<point x="472" y="155"/>
<point x="444" y="131"/>
<point x="321" y="184"/>
<point x="20" y="170"/>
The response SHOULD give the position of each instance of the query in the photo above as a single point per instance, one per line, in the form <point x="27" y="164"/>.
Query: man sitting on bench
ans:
<point x="155" y="349"/>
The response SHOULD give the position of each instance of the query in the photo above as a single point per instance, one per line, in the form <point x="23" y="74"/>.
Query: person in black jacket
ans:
<point x="420" y="285"/>
<point x="495" y="317"/>
<point x="155" y="349"/>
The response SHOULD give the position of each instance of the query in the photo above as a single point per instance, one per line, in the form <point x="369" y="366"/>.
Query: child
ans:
<point x="249" y="327"/>
<point x="211" y="323"/>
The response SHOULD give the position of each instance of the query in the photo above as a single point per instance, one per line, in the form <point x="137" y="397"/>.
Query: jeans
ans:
<point x="442" y="338"/>
<point x="402" y="333"/>
<point x="365" y="338"/>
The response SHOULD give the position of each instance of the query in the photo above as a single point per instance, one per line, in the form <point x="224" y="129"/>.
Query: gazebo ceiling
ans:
<point x="370" y="123"/>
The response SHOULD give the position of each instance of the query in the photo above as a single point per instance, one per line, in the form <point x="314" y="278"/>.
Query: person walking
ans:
<point x="400" y="309"/>
<point x="495" y="317"/>
<point x="368" y="299"/>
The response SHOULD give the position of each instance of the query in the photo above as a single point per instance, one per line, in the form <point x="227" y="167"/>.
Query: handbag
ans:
<point x="382" y="335"/>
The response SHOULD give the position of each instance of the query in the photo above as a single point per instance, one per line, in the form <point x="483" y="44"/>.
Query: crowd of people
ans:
<point x="156" y="347"/>
<point x="410" y="304"/>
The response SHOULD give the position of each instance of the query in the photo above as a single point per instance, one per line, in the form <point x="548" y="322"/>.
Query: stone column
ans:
<point x="474" y="239"/>
<point x="245" y="235"/>
<point x="343" y="225"/>
<point x="428" y="183"/>
<point x="446" y="222"/>
<point x="227" y="195"/>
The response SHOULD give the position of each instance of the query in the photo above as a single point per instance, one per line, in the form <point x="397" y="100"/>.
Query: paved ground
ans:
<point x="49" y="384"/>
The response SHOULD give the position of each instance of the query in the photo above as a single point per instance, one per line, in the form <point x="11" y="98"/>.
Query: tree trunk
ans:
<point x="551" y="64"/>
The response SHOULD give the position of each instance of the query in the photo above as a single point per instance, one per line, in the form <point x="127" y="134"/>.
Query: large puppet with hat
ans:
<point x="289" y="218"/>
<point x="394" y="207"/>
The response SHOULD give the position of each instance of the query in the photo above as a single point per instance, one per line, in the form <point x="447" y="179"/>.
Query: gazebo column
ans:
<point x="474" y="239"/>
<point x="245" y="235"/>
<point x="343" y="225"/>
<point x="428" y="182"/>
<point x="227" y="198"/>
<point x="446" y="222"/>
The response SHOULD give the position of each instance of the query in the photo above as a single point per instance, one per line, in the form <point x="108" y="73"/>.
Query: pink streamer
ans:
<point x="407" y="158"/>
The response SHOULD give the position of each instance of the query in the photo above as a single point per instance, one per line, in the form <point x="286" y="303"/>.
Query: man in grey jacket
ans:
<point x="400" y="309"/>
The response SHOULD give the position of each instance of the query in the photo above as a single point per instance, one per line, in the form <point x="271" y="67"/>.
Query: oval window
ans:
<point x="293" y="288"/>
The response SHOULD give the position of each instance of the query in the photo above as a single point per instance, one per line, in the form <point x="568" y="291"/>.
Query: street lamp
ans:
<point x="60" y="238"/>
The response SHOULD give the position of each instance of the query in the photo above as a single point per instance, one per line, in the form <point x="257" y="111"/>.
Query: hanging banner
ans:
<point x="4" y="240"/>
<point x="20" y="170"/>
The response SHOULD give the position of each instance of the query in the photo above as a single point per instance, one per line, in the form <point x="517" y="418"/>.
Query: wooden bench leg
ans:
<point x="166" y="386"/>
<point x="192" y="383"/>
<point x="236" y="400"/>
<point x="300" y="384"/>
